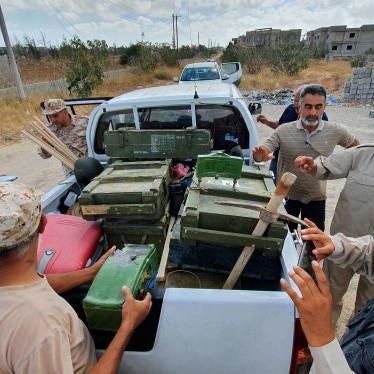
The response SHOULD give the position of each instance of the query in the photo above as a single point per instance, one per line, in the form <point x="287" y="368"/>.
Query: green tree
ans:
<point x="85" y="62"/>
<point x="290" y="58"/>
<point x="127" y="53"/>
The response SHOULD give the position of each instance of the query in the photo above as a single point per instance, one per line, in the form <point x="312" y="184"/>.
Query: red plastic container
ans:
<point x="67" y="244"/>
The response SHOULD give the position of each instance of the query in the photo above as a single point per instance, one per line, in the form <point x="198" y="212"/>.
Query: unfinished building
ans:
<point x="340" y="41"/>
<point x="267" y="37"/>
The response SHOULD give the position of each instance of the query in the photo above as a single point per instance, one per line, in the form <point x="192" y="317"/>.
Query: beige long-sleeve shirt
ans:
<point x="354" y="213"/>
<point x="357" y="253"/>
<point x="40" y="333"/>
<point x="293" y="140"/>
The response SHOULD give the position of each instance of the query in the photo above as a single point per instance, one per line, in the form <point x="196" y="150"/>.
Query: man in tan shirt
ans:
<point x="354" y="214"/>
<point x="308" y="136"/>
<point x="40" y="332"/>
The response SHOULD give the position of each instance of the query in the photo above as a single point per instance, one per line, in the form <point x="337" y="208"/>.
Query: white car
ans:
<point x="210" y="71"/>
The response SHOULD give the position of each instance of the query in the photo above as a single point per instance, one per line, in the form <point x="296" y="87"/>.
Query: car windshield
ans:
<point x="200" y="74"/>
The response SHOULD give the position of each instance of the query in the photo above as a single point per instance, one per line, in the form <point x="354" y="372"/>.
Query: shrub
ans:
<point x="358" y="62"/>
<point x="128" y="53"/>
<point x="147" y="60"/>
<point x="85" y="63"/>
<point x="161" y="75"/>
<point x="290" y="58"/>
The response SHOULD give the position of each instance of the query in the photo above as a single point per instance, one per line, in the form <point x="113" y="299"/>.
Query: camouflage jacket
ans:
<point x="74" y="137"/>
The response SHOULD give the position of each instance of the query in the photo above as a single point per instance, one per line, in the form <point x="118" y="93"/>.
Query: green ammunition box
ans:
<point x="119" y="232"/>
<point x="205" y="221"/>
<point x="133" y="266"/>
<point x="124" y="190"/>
<point x="131" y="144"/>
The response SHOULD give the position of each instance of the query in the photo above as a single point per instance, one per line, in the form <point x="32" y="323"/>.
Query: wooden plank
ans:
<point x="269" y="246"/>
<point x="165" y="253"/>
<point x="118" y="209"/>
<point x="283" y="187"/>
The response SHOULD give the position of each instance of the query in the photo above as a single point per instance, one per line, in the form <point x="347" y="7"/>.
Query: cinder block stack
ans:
<point x="361" y="86"/>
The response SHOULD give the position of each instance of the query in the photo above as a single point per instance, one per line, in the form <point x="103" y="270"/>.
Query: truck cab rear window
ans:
<point x="112" y="121"/>
<point x="171" y="117"/>
<point x="226" y="125"/>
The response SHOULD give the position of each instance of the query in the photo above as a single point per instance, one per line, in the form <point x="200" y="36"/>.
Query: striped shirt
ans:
<point x="293" y="140"/>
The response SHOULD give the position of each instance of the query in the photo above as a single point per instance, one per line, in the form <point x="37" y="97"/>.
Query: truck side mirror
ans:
<point x="225" y="77"/>
<point x="176" y="79"/>
<point x="255" y="108"/>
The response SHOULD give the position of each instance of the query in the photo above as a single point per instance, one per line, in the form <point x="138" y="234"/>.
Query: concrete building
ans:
<point x="267" y="37"/>
<point x="340" y="41"/>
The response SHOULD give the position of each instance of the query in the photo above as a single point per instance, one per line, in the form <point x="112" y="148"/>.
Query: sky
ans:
<point x="122" y="22"/>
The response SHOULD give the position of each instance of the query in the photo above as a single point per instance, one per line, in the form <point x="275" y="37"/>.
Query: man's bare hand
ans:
<point x="324" y="246"/>
<point x="261" y="154"/>
<point x="314" y="306"/>
<point x="99" y="263"/>
<point x="134" y="311"/>
<point x="306" y="165"/>
<point x="261" y="118"/>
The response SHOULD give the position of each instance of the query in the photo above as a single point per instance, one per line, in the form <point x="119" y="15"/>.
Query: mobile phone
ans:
<point x="306" y="257"/>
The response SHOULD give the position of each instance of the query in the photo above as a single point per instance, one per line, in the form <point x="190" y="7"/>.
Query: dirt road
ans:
<point x="22" y="159"/>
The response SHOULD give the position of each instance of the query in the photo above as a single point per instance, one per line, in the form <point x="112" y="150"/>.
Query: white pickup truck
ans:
<point x="210" y="72"/>
<point x="251" y="330"/>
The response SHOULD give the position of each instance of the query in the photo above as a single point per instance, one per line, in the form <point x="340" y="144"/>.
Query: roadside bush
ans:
<point x="290" y="58"/>
<point x="168" y="56"/>
<point x="85" y="63"/>
<point x="128" y="53"/>
<point x="161" y="75"/>
<point x="358" y="62"/>
<point x="254" y="60"/>
<point x="232" y="53"/>
<point x="147" y="60"/>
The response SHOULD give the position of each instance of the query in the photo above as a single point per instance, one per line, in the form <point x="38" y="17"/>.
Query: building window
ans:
<point x="352" y="35"/>
<point x="334" y="48"/>
<point x="349" y="47"/>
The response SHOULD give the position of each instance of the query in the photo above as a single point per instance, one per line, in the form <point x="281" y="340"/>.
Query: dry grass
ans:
<point x="53" y="69"/>
<point x="330" y="74"/>
<point x="16" y="115"/>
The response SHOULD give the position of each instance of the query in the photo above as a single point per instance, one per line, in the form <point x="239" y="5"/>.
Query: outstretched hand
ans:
<point x="99" y="263"/>
<point x="306" y="164"/>
<point x="324" y="246"/>
<point x="134" y="311"/>
<point x="261" y="154"/>
<point x="314" y="305"/>
<point x="261" y="118"/>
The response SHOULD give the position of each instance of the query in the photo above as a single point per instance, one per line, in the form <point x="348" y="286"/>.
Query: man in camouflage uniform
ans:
<point x="70" y="129"/>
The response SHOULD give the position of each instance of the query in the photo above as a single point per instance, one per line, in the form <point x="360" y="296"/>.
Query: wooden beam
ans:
<point x="283" y="187"/>
<point x="165" y="253"/>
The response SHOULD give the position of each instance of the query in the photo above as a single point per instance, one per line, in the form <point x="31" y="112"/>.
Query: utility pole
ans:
<point x="12" y="60"/>
<point x="173" y="40"/>
<point x="198" y="38"/>
<point x="176" y="28"/>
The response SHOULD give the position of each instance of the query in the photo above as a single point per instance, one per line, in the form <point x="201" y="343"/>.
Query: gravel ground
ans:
<point x="22" y="159"/>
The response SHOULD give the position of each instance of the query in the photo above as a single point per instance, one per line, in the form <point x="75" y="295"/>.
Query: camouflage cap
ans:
<point x="20" y="213"/>
<point x="53" y="106"/>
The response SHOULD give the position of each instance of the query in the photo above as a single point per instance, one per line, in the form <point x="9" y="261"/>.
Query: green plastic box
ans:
<point x="133" y="266"/>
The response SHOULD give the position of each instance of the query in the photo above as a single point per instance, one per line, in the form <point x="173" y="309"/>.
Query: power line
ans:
<point x="60" y="17"/>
